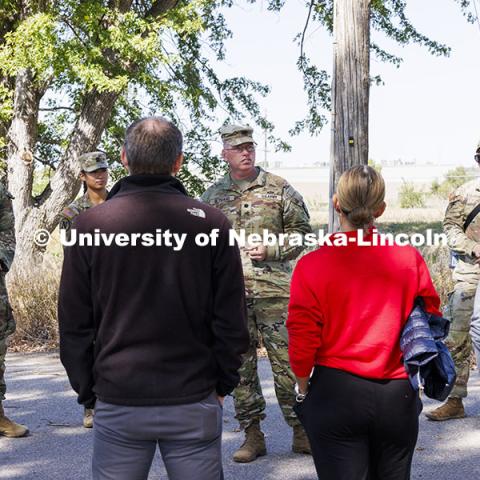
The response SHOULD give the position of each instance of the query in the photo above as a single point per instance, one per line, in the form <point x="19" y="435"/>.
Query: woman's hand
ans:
<point x="302" y="383"/>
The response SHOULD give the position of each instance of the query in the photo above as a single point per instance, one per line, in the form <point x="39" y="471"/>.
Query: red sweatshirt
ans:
<point x="349" y="304"/>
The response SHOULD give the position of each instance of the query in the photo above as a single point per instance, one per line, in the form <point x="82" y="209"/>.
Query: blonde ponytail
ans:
<point x="360" y="193"/>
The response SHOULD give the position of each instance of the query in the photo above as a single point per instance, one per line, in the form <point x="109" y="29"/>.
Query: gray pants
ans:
<point x="189" y="438"/>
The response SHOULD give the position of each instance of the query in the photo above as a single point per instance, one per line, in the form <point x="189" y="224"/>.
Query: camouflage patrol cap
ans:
<point x="93" y="161"/>
<point x="236" y="134"/>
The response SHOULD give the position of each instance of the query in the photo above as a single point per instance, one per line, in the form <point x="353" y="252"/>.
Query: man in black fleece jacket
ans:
<point x="155" y="333"/>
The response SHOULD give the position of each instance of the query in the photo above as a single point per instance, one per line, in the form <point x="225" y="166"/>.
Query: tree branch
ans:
<point x="45" y="162"/>
<point x="70" y="26"/>
<point x="302" y="41"/>
<point x="121" y="5"/>
<point x="54" y="109"/>
<point x="40" y="199"/>
<point x="160" y="7"/>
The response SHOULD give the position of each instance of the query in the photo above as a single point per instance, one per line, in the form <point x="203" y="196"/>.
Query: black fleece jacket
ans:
<point x="148" y="325"/>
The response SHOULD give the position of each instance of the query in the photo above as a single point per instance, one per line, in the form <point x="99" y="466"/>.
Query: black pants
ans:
<point x="360" y="429"/>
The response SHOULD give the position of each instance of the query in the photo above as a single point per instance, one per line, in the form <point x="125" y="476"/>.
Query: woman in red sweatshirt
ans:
<point x="348" y="306"/>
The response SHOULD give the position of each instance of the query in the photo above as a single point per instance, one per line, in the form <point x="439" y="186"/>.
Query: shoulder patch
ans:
<point x="291" y="193"/>
<point x="70" y="212"/>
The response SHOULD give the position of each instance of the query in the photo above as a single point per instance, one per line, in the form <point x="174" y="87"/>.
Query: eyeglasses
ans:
<point x="240" y="148"/>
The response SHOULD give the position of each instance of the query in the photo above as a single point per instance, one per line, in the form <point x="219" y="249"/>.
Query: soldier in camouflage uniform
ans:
<point x="466" y="275"/>
<point x="94" y="175"/>
<point x="8" y="428"/>
<point x="254" y="200"/>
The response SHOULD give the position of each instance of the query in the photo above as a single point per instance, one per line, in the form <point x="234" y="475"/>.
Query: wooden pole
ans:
<point x="350" y="91"/>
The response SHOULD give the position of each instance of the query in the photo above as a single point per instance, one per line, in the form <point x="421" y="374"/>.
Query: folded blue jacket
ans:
<point x="426" y="358"/>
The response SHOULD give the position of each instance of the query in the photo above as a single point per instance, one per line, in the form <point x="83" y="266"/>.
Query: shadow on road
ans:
<point x="60" y="448"/>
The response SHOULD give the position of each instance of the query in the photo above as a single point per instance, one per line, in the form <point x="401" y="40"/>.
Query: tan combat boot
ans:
<point x="453" y="408"/>
<point x="253" y="446"/>
<point x="88" y="417"/>
<point x="9" y="428"/>
<point x="300" y="442"/>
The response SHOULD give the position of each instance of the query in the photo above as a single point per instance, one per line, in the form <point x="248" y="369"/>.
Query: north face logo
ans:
<point x="197" y="212"/>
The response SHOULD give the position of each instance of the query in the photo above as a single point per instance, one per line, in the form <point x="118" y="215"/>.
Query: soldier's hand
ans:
<point x="258" y="253"/>
<point x="476" y="252"/>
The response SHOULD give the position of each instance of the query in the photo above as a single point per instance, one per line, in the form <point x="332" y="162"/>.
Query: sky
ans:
<point x="427" y="111"/>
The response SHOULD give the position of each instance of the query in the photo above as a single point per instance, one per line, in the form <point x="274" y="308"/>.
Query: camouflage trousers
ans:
<point x="266" y="317"/>
<point x="7" y="327"/>
<point x="459" y="311"/>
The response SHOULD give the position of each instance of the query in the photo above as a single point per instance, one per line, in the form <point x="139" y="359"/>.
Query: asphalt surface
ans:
<point x="60" y="448"/>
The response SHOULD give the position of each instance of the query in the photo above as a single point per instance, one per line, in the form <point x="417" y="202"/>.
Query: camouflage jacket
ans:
<point x="268" y="202"/>
<point x="7" y="230"/>
<point x="75" y="208"/>
<point x="461" y="202"/>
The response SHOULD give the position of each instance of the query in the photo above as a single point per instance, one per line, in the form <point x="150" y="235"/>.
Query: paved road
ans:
<point x="60" y="449"/>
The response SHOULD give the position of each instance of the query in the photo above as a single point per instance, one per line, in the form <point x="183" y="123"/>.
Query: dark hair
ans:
<point x="152" y="145"/>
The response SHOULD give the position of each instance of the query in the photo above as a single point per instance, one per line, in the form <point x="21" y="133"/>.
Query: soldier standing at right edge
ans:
<point x="462" y="227"/>
<point x="8" y="428"/>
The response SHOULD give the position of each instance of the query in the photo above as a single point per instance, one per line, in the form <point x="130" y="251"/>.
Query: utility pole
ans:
<point x="350" y="91"/>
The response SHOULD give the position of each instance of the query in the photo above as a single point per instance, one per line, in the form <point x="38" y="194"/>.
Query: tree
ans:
<point x="74" y="74"/>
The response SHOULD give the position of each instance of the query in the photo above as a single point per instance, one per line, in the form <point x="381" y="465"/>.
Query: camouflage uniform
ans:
<point x="75" y="208"/>
<point x="89" y="162"/>
<point x="270" y="203"/>
<point x="466" y="277"/>
<point x="7" y="250"/>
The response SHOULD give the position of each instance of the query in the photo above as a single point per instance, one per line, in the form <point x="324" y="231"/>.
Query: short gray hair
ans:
<point x="152" y="145"/>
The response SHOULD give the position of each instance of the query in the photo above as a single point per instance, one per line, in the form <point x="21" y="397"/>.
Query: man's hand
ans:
<point x="258" y="252"/>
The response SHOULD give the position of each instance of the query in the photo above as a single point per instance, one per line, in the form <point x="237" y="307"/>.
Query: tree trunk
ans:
<point x="350" y="91"/>
<point x="22" y="136"/>
<point x="64" y="185"/>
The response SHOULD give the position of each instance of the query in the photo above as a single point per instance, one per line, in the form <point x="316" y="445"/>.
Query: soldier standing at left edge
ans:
<point x="8" y="428"/>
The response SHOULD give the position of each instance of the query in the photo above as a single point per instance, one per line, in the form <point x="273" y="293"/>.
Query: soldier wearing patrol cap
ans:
<point x="94" y="175"/>
<point x="462" y="227"/>
<point x="255" y="200"/>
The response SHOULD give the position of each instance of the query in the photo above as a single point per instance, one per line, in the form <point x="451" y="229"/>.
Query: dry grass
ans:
<point x="438" y="259"/>
<point x="33" y="296"/>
